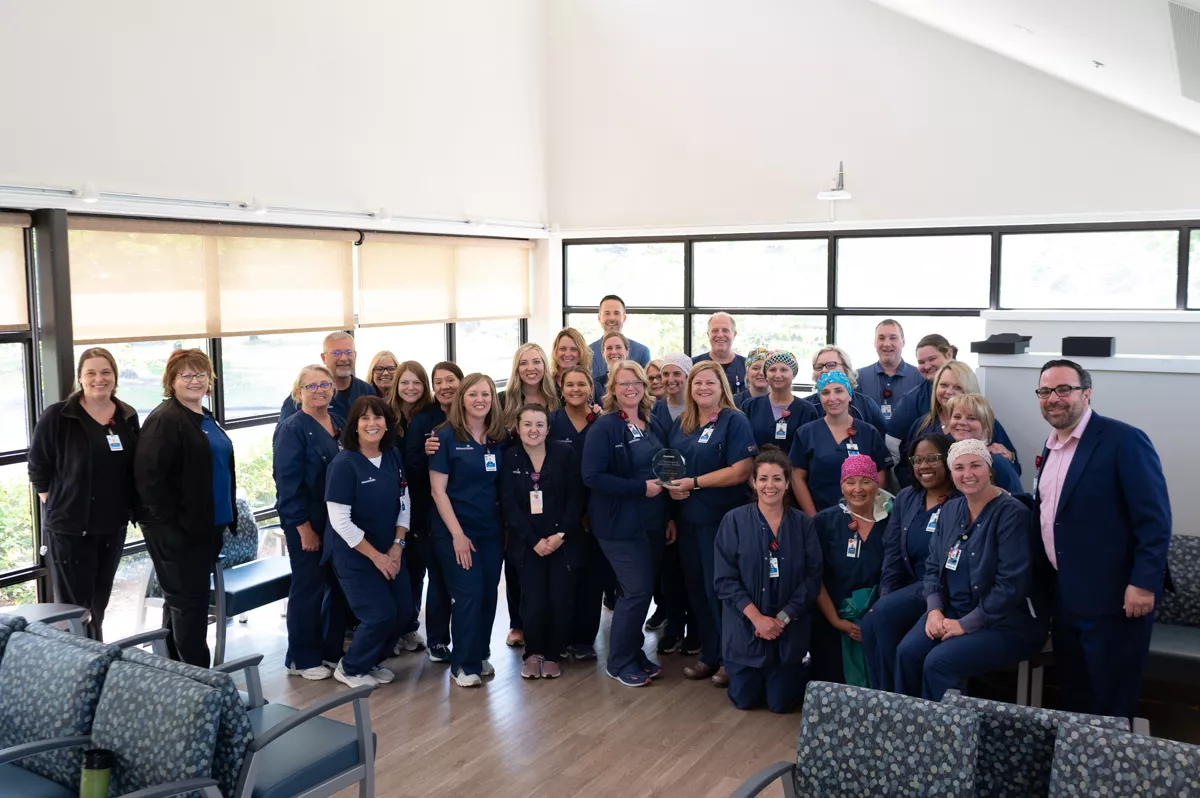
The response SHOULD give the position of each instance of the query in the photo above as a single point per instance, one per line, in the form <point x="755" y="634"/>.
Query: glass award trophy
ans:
<point x="669" y="466"/>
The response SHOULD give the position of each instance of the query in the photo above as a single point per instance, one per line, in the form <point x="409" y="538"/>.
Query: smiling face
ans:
<point x="929" y="360"/>
<point x="756" y="376"/>
<point x="531" y="426"/>
<point x="947" y="387"/>
<point x="97" y="378"/>
<point x="889" y="343"/>
<point x="965" y="425"/>
<point x="566" y="353"/>
<point x="614" y="351"/>
<point x="1063" y="412"/>
<point x="339" y="357"/>
<point x="706" y="388"/>
<point x="971" y="474"/>
<point x="577" y="391"/>
<point x="371" y="429"/>
<point x="630" y="389"/>
<point x="780" y="376"/>
<point x="835" y="399"/>
<point x="531" y="368"/>
<point x="721" y="334"/>
<point x="859" y="491"/>
<point x="410" y="387"/>
<point x="478" y="401"/>
<point x="929" y="474"/>
<point x="612" y="315"/>
<point x="771" y="484"/>
<point x="675" y="380"/>
<point x="316" y="389"/>
<point x="826" y="362"/>
<point x="654" y="374"/>
<point x="445" y="385"/>
<point x="191" y="383"/>
<point x="384" y="373"/>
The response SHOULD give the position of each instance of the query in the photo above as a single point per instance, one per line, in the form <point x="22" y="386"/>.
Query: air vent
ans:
<point x="1185" y="27"/>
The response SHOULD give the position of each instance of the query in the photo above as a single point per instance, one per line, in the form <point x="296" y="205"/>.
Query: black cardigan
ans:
<point x="173" y="468"/>
<point x="562" y="498"/>
<point x="60" y="464"/>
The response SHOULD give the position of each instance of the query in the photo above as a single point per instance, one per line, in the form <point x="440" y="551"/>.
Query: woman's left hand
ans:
<point x="999" y="448"/>
<point x="682" y="489"/>
<point x="951" y="628"/>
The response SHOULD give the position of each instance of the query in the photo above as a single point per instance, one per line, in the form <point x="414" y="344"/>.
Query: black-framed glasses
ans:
<point x="385" y="369"/>
<point x="1058" y="390"/>
<point x="917" y="459"/>
<point x="199" y="376"/>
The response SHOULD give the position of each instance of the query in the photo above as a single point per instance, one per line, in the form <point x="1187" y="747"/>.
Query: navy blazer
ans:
<point x="1113" y="524"/>
<point x="862" y="407"/>
<point x="741" y="571"/>
<point x="898" y="572"/>
<point x="998" y="553"/>
<point x="618" y="508"/>
<point x="562" y="498"/>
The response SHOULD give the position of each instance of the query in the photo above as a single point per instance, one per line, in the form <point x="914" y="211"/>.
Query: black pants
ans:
<point x="84" y="569"/>
<point x="547" y="603"/>
<point x="184" y="566"/>
<point x="414" y="563"/>
<point x="673" y="591"/>
<point x="512" y="587"/>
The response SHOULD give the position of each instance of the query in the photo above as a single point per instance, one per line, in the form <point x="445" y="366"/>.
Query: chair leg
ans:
<point x="1141" y="726"/>
<point x="1035" y="687"/>
<point x="243" y="618"/>
<point x="219" y="590"/>
<point x="1023" y="684"/>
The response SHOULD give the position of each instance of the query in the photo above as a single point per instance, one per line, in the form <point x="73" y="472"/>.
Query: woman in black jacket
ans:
<point x="541" y="493"/>
<point x="81" y="465"/>
<point x="185" y="478"/>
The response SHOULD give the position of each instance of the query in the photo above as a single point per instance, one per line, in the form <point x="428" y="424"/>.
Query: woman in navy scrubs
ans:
<point x="366" y="498"/>
<point x="675" y="369"/>
<point x="569" y="350"/>
<point x="628" y="512"/>
<point x="654" y="374"/>
<point x="542" y="498"/>
<point x="304" y="445"/>
<point x="719" y="449"/>
<point x="820" y="446"/>
<point x="756" y="378"/>
<point x="862" y="407"/>
<point x="775" y="416"/>
<point x="382" y="372"/>
<point x="768" y="576"/>
<point x="971" y="418"/>
<point x="468" y="533"/>
<point x="408" y="394"/>
<point x="446" y="378"/>
<point x="978" y="586"/>
<point x="851" y="536"/>
<point x="912" y="525"/>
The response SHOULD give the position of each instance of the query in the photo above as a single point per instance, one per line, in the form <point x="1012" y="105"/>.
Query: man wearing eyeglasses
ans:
<point x="339" y="357"/>
<point x="1105" y="521"/>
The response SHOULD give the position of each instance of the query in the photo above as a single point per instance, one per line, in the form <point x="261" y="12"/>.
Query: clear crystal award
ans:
<point x="669" y="466"/>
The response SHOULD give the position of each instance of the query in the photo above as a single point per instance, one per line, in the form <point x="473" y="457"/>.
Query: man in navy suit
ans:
<point x="1105" y="521"/>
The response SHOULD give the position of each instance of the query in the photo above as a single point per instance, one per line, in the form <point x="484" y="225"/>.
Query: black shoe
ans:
<point x="657" y="620"/>
<point x="691" y="645"/>
<point x="584" y="651"/>
<point x="610" y="602"/>
<point x="670" y="645"/>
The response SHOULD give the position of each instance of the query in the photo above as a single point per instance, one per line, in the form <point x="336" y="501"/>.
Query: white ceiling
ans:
<point x="1132" y="38"/>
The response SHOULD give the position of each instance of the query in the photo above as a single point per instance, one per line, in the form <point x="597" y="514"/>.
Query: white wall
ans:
<point x="424" y="108"/>
<point x="688" y="113"/>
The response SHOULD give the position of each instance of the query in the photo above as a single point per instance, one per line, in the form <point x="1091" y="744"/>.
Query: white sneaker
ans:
<point x="487" y="669"/>
<point x="331" y="665"/>
<point x="410" y="642"/>
<point x="464" y="679"/>
<point x="353" y="681"/>
<point x="314" y="674"/>
<point x="382" y="675"/>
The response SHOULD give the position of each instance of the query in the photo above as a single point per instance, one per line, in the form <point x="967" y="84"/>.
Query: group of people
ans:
<point x="876" y="532"/>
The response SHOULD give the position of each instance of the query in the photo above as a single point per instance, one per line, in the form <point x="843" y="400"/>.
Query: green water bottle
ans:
<point x="97" y="766"/>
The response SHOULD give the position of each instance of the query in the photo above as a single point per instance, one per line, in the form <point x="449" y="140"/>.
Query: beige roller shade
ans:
<point x="416" y="279"/>
<point x="14" y="299"/>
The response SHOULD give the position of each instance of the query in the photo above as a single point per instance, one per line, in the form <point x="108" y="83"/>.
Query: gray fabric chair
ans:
<point x="855" y="741"/>
<point x="1016" y="744"/>
<point x="1091" y="761"/>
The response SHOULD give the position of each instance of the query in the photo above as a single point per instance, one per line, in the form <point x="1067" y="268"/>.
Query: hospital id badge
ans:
<point x="852" y="548"/>
<point x="781" y="430"/>
<point x="489" y="462"/>
<point x="933" y="519"/>
<point x="851" y="448"/>
<point x="887" y="412"/>
<point x="114" y="443"/>
<point x="952" y="558"/>
<point x="634" y="431"/>
<point x="704" y="436"/>
<point x="773" y="567"/>
<point x="535" y="502"/>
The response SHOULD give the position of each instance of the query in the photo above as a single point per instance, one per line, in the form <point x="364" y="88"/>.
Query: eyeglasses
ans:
<point x="1059" y="390"/>
<point x="199" y="376"/>
<point x="656" y="379"/>
<point x="832" y="365"/>
<point x="385" y="369"/>
<point x="629" y="384"/>
<point x="342" y="352"/>
<point x="318" y="386"/>
<point x="917" y="459"/>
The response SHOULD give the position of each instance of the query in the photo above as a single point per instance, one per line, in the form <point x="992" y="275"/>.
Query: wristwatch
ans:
<point x="695" y="483"/>
<point x="783" y="616"/>
<point x="401" y="542"/>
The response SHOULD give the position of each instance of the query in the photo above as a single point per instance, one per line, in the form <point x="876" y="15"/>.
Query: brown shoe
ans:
<point x="550" y="670"/>
<point x="515" y="638"/>
<point x="721" y="678"/>
<point x="698" y="671"/>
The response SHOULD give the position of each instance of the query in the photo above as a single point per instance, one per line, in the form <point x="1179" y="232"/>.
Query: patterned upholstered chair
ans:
<point x="1175" y="642"/>
<point x="1089" y="760"/>
<point x="855" y="741"/>
<point x="8" y="625"/>
<point x="1016" y="744"/>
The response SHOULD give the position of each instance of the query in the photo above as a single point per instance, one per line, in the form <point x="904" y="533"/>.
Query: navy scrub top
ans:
<point x="815" y="451"/>
<point x="763" y="424"/>
<point x="373" y="493"/>
<point x="711" y="447"/>
<point x="561" y="429"/>
<point x="887" y="391"/>
<point x="222" y="452"/>
<point x="735" y="370"/>
<point x="843" y="574"/>
<point x="472" y="488"/>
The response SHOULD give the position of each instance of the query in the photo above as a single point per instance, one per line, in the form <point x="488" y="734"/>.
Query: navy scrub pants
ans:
<point x="312" y="637"/>
<point x="673" y="590"/>
<point x="547" y="603"/>
<point x="780" y="687"/>
<point x="414" y="553"/>
<point x="437" y="596"/>
<point x="592" y="577"/>
<point x="697" y="543"/>
<point x="512" y="585"/>
<point x="635" y="561"/>
<point x="884" y="627"/>
<point x="473" y="594"/>
<point x="1101" y="662"/>
<point x="927" y="668"/>
<point x="383" y="607"/>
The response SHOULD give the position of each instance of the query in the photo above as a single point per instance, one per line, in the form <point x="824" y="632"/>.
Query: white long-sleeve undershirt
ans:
<point x="339" y="516"/>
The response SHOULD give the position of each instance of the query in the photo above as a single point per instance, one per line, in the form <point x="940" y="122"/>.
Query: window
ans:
<point x="800" y="335"/>
<point x="129" y="588"/>
<point x="764" y="274"/>
<point x="424" y="343"/>
<point x="661" y="333"/>
<point x="643" y="275"/>
<point x="252" y="458"/>
<point x="14" y="299"/>
<point x="258" y="371"/>
<point x="1194" y="271"/>
<point x="141" y="365"/>
<point x="1119" y="270"/>
<point x="14" y="404"/>
<point x="856" y="334"/>
<point x="914" y="272"/>
<point x="18" y="549"/>
<point x="487" y="346"/>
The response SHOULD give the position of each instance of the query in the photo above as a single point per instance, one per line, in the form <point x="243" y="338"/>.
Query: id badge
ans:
<point x="114" y="443"/>
<point x="887" y="412"/>
<point x="933" y="519"/>
<point x="773" y="565"/>
<point x="952" y="559"/>
<point x="781" y="430"/>
<point x="851" y="448"/>
<point x="535" y="502"/>
<point x="704" y="436"/>
<point x="634" y="431"/>
<point x="489" y="462"/>
<point x="852" y="548"/>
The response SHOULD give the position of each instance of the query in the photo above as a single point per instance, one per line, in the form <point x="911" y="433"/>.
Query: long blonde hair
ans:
<point x="456" y="418"/>
<point x="610" y="390"/>
<point x="690" y="419"/>
<point x="585" y="351"/>
<point x="514" y="392"/>
<point x="966" y="381"/>
<point x="380" y="355"/>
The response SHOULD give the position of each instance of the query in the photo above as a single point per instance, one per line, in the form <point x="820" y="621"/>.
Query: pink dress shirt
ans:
<point x="1054" y="474"/>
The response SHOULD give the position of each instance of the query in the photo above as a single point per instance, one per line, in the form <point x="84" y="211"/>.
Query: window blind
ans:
<point x="14" y="298"/>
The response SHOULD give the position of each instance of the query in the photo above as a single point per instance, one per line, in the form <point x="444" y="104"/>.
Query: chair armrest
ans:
<point x="319" y="708"/>
<point x="23" y="750"/>
<point x="763" y="779"/>
<point x="206" y="787"/>
<point x="241" y="664"/>
<point x="141" y="638"/>
<point x="253" y="682"/>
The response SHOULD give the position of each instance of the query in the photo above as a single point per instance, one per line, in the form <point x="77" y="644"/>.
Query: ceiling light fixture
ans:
<point x="1098" y="64"/>
<point x="1022" y="28"/>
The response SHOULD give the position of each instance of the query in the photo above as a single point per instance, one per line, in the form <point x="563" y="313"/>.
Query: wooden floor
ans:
<point x="580" y="735"/>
